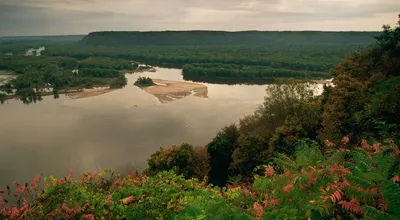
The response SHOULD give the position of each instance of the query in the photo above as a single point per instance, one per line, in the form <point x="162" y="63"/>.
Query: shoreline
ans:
<point x="72" y="94"/>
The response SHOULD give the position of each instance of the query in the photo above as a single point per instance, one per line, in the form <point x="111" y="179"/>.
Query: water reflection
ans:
<point x="116" y="130"/>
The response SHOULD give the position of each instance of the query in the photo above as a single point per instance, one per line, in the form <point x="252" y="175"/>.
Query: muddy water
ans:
<point x="116" y="130"/>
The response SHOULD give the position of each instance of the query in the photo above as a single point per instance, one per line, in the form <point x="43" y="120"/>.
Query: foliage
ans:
<point x="216" y="70"/>
<point x="144" y="82"/>
<point x="178" y="157"/>
<point x="264" y="38"/>
<point x="312" y="185"/>
<point x="221" y="149"/>
<point x="107" y="63"/>
<point x="303" y="123"/>
<point x="105" y="195"/>
<point x="365" y="91"/>
<point x="251" y="152"/>
<point x="233" y="55"/>
<point x="38" y="74"/>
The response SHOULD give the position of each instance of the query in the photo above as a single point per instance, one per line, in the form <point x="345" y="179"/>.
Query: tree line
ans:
<point x="205" y="70"/>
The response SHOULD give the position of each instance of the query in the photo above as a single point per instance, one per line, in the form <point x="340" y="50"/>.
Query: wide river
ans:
<point x="117" y="130"/>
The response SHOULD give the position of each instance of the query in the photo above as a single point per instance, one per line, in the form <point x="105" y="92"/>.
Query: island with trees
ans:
<point x="144" y="82"/>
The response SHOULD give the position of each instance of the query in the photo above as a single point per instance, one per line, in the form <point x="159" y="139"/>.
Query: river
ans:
<point x="117" y="130"/>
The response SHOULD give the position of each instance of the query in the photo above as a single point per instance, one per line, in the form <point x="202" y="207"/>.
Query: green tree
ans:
<point x="221" y="149"/>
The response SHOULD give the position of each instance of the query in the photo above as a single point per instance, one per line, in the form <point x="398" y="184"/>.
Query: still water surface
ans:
<point x="117" y="130"/>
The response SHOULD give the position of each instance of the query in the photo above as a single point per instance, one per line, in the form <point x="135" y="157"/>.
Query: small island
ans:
<point x="168" y="90"/>
<point x="144" y="82"/>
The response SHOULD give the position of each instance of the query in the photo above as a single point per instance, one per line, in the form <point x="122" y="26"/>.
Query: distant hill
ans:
<point x="254" y="38"/>
<point x="56" y="38"/>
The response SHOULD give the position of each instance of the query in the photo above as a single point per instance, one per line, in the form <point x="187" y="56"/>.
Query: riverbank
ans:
<point x="168" y="90"/>
<point x="87" y="93"/>
<point x="72" y="93"/>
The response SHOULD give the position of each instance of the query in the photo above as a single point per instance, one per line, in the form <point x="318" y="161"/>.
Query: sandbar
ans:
<point x="168" y="90"/>
<point x="87" y="93"/>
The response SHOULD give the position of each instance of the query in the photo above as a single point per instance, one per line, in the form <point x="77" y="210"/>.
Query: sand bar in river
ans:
<point x="168" y="90"/>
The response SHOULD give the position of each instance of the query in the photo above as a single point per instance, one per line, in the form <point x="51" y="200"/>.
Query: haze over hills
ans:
<point x="251" y="38"/>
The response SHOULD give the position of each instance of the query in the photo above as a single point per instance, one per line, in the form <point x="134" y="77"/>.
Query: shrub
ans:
<point x="174" y="157"/>
<point x="144" y="82"/>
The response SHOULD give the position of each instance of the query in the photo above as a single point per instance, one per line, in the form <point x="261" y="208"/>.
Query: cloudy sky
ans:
<point x="50" y="17"/>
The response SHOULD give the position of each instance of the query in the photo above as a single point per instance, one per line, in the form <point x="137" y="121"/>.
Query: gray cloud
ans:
<point x="42" y="17"/>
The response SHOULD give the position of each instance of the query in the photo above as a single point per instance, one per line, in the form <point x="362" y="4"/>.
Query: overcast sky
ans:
<point x="51" y="17"/>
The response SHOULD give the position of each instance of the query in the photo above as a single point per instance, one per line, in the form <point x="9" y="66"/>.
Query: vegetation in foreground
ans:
<point x="297" y="157"/>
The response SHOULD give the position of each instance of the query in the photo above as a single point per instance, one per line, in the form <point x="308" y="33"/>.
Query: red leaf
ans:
<point x="259" y="209"/>
<point x="269" y="171"/>
<point x="127" y="200"/>
<point x="288" y="188"/>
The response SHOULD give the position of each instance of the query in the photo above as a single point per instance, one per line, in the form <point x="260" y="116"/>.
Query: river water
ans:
<point x="117" y="130"/>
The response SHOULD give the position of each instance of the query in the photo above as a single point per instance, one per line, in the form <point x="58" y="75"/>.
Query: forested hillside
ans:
<point x="18" y="45"/>
<point x="334" y="156"/>
<point x="212" y="55"/>
<point x="253" y="38"/>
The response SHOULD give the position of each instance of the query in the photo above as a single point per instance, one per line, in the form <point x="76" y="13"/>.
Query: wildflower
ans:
<point x="2" y="191"/>
<point x="396" y="179"/>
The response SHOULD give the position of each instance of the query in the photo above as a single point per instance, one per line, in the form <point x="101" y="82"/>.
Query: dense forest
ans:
<point x="335" y="156"/>
<point x="260" y="54"/>
<point x="247" y="38"/>
<point x="205" y="70"/>
<point x="18" y="45"/>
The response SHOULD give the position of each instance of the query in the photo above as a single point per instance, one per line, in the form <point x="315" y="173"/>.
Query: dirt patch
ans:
<point x="87" y="93"/>
<point x="168" y="90"/>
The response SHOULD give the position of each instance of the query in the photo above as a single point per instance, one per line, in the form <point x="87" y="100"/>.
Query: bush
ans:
<point x="144" y="82"/>
<point x="174" y="157"/>
<point x="184" y="159"/>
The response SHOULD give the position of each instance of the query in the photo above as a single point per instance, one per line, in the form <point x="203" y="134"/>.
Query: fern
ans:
<point x="373" y="213"/>
<point x="383" y="163"/>
<point x="358" y="181"/>
<point x="336" y="158"/>
<point x="285" y="162"/>
<point x="391" y="191"/>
